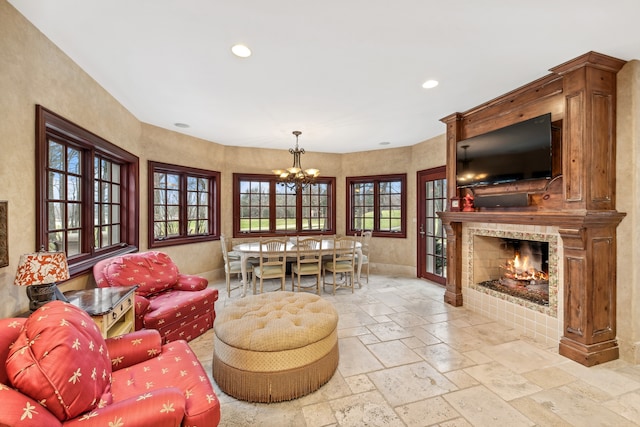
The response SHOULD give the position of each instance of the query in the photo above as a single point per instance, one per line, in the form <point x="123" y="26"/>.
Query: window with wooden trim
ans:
<point x="87" y="193"/>
<point x="377" y="203"/>
<point x="264" y="207"/>
<point x="184" y="205"/>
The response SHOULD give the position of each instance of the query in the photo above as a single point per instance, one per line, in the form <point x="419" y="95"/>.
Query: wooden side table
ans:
<point x="112" y="309"/>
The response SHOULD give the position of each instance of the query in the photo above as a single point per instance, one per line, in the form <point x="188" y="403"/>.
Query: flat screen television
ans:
<point x="521" y="151"/>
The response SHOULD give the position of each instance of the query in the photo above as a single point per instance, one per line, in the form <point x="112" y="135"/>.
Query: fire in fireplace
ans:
<point x="522" y="269"/>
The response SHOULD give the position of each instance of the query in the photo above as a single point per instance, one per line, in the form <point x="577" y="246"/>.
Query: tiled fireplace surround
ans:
<point x="541" y="323"/>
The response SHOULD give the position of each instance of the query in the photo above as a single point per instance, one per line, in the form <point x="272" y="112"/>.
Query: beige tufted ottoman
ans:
<point x="275" y="346"/>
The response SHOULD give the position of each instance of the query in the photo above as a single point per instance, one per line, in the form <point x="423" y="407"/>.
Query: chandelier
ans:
<point x="295" y="178"/>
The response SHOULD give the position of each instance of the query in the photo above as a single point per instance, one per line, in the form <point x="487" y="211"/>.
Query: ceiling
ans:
<point x="347" y="73"/>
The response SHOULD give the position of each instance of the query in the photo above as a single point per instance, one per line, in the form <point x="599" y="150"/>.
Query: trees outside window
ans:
<point x="184" y="205"/>
<point x="377" y="203"/>
<point x="264" y="207"/>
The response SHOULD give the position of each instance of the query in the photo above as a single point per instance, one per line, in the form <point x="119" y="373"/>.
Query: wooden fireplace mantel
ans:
<point x="563" y="220"/>
<point x="581" y="97"/>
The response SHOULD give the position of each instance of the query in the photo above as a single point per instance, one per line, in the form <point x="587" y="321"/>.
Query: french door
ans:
<point x="432" y="239"/>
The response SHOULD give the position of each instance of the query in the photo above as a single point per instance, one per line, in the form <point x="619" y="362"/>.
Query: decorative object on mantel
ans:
<point x="455" y="204"/>
<point x="4" y="236"/>
<point x="295" y="177"/>
<point x="41" y="271"/>
<point x="468" y="203"/>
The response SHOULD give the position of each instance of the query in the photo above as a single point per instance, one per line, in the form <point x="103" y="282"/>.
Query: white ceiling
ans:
<point x="347" y="73"/>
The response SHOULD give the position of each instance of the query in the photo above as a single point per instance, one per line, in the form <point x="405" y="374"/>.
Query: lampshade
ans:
<point x="40" y="272"/>
<point x="42" y="268"/>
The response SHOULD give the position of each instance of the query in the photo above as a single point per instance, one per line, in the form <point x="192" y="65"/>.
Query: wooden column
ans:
<point x="590" y="290"/>
<point x="453" y="293"/>
<point x="589" y="131"/>
<point x="589" y="171"/>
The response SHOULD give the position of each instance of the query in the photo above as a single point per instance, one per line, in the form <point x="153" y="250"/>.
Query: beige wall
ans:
<point x="34" y="71"/>
<point x="628" y="200"/>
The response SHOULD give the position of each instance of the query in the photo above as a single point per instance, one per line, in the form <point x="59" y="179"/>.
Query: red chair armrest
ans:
<point x="141" y="308"/>
<point x="164" y="407"/>
<point x="190" y="282"/>
<point x="142" y="304"/>
<point x="133" y="348"/>
<point x="21" y="410"/>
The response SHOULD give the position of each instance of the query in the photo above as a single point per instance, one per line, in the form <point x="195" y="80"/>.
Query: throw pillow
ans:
<point x="61" y="360"/>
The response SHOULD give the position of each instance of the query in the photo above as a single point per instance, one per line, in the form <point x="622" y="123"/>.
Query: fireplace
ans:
<point x="579" y="202"/>
<point x="533" y="309"/>
<point x="515" y="267"/>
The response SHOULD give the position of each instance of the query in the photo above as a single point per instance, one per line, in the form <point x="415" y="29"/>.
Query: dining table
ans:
<point x="251" y="250"/>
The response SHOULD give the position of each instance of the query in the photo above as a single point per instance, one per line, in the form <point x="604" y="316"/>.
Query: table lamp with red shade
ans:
<point x="41" y="272"/>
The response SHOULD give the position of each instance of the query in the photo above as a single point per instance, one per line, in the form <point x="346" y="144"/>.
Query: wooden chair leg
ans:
<point x="353" y="282"/>
<point x="335" y="281"/>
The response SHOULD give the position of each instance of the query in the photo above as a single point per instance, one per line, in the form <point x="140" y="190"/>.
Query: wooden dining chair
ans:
<point x="365" y="239"/>
<point x="232" y="265"/>
<point x="272" y="263"/>
<point x="342" y="263"/>
<point x="308" y="262"/>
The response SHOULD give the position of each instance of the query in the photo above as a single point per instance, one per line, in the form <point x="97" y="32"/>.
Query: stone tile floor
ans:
<point x="409" y="359"/>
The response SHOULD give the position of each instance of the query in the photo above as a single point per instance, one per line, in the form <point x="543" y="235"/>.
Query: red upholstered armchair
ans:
<point x="57" y="370"/>
<point x="179" y="306"/>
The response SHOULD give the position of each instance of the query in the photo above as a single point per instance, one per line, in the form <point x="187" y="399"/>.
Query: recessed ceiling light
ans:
<point x="241" y="51"/>
<point x="430" y="84"/>
<point x="181" y="125"/>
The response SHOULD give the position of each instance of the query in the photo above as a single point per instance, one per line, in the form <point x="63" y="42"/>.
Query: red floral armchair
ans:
<point x="57" y="370"/>
<point x="179" y="306"/>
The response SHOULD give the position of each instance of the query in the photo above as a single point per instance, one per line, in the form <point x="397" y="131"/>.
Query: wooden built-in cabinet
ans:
<point x="580" y="200"/>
